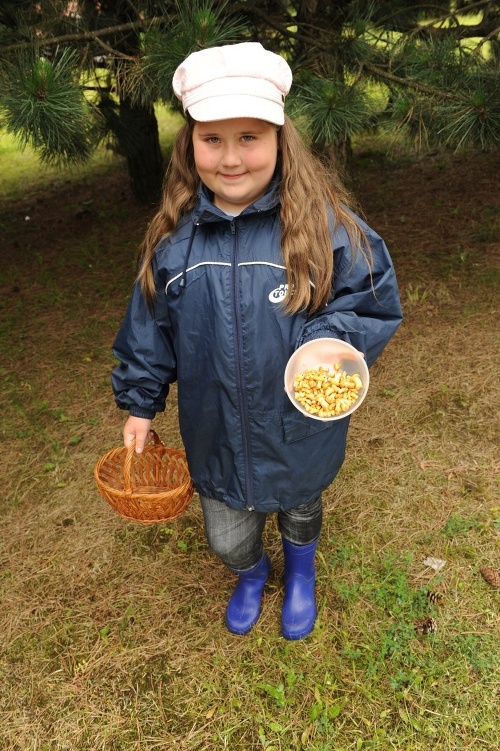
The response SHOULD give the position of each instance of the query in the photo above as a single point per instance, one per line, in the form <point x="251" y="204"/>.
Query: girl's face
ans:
<point x="235" y="159"/>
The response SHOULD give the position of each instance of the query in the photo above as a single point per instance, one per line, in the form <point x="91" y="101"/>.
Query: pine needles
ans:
<point x="43" y="105"/>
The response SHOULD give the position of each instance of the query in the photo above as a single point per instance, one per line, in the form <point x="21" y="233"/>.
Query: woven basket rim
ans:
<point x="157" y="504"/>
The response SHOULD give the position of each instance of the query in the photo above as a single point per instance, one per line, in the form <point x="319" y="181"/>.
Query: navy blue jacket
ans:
<point x="219" y="331"/>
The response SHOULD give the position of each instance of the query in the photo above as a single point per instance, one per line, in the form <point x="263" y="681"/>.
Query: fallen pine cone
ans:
<point x="435" y="597"/>
<point x="425" y="625"/>
<point x="491" y="575"/>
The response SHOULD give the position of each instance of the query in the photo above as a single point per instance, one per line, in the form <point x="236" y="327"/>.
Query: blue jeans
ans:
<point x="236" y="536"/>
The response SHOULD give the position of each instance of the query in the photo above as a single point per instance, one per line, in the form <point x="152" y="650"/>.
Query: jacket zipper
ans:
<point x="240" y="375"/>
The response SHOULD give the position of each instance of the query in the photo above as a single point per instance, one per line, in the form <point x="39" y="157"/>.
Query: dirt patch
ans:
<point x="433" y="210"/>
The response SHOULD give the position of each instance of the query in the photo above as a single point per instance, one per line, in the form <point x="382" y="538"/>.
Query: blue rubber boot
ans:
<point x="243" y="609"/>
<point x="299" y="607"/>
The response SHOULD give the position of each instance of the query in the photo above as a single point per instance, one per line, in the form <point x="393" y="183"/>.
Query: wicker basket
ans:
<point x="150" y="488"/>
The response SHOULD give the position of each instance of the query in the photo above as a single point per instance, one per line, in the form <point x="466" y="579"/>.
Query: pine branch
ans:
<point x="374" y="70"/>
<point x="284" y="30"/>
<point x="85" y="36"/>
<point x="439" y="18"/>
<point x="480" y="44"/>
<point x="410" y="83"/>
<point x="459" y="31"/>
<point x="114" y="52"/>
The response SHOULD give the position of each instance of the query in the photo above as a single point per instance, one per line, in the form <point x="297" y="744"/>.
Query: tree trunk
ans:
<point x="139" y="142"/>
<point x="340" y="153"/>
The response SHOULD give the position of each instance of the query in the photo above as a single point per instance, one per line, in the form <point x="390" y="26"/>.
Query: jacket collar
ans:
<point x="205" y="211"/>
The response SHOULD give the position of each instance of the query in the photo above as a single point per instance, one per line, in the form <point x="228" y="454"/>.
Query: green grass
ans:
<point x="112" y="634"/>
<point x="23" y="174"/>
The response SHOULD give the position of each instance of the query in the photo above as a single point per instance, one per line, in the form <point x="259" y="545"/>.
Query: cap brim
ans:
<point x="230" y="106"/>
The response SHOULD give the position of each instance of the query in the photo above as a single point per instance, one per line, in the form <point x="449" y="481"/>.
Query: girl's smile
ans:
<point x="235" y="159"/>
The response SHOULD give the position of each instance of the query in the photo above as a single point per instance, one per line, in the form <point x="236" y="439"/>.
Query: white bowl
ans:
<point x="326" y="353"/>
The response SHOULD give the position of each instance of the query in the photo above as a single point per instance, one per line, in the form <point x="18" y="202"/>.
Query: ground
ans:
<point x="112" y="634"/>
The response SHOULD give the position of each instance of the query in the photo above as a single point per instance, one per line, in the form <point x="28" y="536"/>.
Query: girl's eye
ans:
<point x="212" y="139"/>
<point x="247" y="138"/>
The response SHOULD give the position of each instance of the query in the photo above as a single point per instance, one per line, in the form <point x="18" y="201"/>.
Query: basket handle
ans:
<point x="127" y="461"/>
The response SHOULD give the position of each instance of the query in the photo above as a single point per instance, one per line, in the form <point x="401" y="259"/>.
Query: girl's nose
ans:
<point x="230" y="156"/>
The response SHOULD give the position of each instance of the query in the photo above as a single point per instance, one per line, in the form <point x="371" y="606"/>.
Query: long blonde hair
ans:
<point x="308" y="192"/>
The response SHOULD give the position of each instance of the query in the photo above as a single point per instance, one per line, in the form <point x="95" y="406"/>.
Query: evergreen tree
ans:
<point x="73" y="72"/>
<point x="66" y="72"/>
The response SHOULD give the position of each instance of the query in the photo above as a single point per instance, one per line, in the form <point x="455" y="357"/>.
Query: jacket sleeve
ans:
<point x="365" y="310"/>
<point x="147" y="363"/>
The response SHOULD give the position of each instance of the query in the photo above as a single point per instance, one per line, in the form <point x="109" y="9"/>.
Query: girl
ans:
<point x="252" y="253"/>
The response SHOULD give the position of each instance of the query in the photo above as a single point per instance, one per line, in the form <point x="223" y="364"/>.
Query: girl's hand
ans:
<point x="137" y="429"/>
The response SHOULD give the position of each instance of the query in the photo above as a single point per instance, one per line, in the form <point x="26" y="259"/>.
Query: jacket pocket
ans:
<point x="297" y="426"/>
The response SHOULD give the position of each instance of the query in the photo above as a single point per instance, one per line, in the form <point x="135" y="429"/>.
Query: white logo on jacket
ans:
<point x="278" y="294"/>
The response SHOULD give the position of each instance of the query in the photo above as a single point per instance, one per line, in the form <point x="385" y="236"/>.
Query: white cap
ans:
<point x="238" y="80"/>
